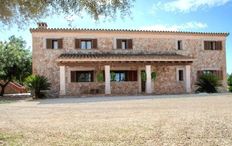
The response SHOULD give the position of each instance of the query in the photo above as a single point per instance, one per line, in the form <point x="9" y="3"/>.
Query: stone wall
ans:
<point x="130" y="88"/>
<point x="44" y="59"/>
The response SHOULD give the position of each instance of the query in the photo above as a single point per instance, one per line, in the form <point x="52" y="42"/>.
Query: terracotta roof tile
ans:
<point x="124" y="30"/>
<point x="122" y="57"/>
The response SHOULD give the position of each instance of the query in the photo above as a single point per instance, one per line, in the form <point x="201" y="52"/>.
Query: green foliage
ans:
<point x="100" y="77"/>
<point x="112" y="76"/>
<point x="144" y="76"/>
<point x="23" y="12"/>
<point x="15" y="61"/>
<point x="153" y="76"/>
<point x="207" y="83"/>
<point x="36" y="83"/>
<point x="229" y="81"/>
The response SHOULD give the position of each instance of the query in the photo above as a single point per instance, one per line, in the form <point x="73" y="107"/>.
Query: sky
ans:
<point x="178" y="15"/>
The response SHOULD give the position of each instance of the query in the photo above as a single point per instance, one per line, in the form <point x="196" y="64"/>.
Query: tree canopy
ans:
<point x="21" y="12"/>
<point x="15" y="61"/>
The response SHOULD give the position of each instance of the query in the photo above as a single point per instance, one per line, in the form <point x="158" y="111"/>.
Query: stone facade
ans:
<point x="44" y="60"/>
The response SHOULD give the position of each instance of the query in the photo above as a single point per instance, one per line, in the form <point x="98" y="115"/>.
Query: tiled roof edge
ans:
<point x="124" y="30"/>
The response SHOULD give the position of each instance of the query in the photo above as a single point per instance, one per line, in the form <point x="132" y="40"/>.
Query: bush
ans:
<point x="36" y="83"/>
<point x="229" y="81"/>
<point x="207" y="83"/>
<point x="144" y="76"/>
<point x="100" y="77"/>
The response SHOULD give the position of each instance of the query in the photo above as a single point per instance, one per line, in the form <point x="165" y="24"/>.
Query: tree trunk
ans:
<point x="3" y="88"/>
<point x="2" y="91"/>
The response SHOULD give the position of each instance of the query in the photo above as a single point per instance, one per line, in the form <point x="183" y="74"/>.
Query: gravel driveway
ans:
<point x="133" y="120"/>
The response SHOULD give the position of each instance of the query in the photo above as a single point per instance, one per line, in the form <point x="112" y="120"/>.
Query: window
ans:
<point x="179" y="45"/>
<point x="54" y="43"/>
<point x="212" y="45"/>
<point x="180" y="76"/>
<point x="81" y="76"/>
<point x="124" y="44"/>
<point x="123" y="76"/>
<point x="86" y="44"/>
<point x="217" y="73"/>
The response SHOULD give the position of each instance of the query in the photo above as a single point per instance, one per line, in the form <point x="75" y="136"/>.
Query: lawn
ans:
<point x="140" y="120"/>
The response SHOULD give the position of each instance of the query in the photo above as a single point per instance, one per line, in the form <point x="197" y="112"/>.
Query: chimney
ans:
<point x="42" y="25"/>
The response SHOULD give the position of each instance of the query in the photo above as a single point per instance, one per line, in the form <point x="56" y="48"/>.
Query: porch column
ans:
<point x="107" y="80"/>
<point x="148" y="79"/>
<point x="62" y="80"/>
<point x="139" y="80"/>
<point x="188" y="78"/>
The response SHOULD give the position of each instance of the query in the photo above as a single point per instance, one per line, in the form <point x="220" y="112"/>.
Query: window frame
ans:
<point x="178" y="74"/>
<point x="214" y="45"/>
<point x="53" y="45"/>
<point x="129" y="75"/>
<point x="86" y="41"/>
<point x="78" y="73"/>
<point x="48" y="43"/>
<point x="127" y="41"/>
<point x="179" y="45"/>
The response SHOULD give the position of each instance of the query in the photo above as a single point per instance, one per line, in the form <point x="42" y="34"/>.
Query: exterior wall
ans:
<point x="166" y="81"/>
<point x="44" y="59"/>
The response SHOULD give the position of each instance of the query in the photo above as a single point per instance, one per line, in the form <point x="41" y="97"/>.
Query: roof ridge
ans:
<point x="126" y="30"/>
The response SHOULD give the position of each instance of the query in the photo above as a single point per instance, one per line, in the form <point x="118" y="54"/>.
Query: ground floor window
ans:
<point x="81" y="76"/>
<point x="123" y="76"/>
<point x="180" y="74"/>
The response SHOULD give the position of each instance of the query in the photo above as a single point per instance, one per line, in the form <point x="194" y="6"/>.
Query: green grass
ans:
<point x="10" y="139"/>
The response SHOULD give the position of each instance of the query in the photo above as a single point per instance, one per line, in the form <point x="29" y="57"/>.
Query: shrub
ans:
<point x="144" y="76"/>
<point x="36" y="83"/>
<point x="207" y="83"/>
<point x="229" y="81"/>
<point x="100" y="77"/>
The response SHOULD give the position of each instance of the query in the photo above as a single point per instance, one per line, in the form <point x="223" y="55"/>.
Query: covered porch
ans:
<point x="122" y="73"/>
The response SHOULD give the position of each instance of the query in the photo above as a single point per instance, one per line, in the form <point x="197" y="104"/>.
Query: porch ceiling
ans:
<point x="119" y="57"/>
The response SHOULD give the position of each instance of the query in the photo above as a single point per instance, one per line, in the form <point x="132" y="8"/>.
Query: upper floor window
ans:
<point x="179" y="45"/>
<point x="124" y="44"/>
<point x="217" y="73"/>
<point x="81" y="76"/>
<point x="54" y="43"/>
<point x="86" y="43"/>
<point x="212" y="45"/>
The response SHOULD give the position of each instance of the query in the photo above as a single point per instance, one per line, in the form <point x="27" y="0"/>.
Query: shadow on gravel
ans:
<point x="74" y="99"/>
<point x="9" y="98"/>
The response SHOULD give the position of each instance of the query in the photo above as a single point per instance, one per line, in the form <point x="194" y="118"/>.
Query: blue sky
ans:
<point x="182" y="15"/>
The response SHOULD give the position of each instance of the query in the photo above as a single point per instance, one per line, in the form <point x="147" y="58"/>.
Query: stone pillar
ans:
<point x="148" y="79"/>
<point x="62" y="80"/>
<point x="188" y="78"/>
<point x="139" y="80"/>
<point x="107" y="80"/>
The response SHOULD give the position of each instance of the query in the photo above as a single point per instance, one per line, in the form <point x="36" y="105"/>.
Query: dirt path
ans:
<point x="142" y="120"/>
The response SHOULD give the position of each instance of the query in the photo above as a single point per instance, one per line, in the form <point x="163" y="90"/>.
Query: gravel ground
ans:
<point x="139" y="120"/>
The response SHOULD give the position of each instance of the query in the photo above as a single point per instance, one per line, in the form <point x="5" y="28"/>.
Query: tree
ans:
<point x="229" y="81"/>
<point x="24" y="11"/>
<point x="207" y="83"/>
<point x="15" y="61"/>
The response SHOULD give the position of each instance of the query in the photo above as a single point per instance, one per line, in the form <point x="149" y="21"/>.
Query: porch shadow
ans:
<point x="74" y="100"/>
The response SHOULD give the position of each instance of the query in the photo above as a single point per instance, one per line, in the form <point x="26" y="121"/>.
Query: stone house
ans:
<point x="116" y="61"/>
